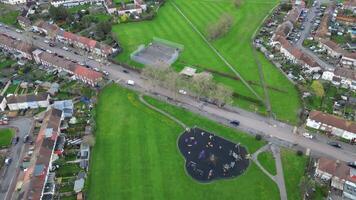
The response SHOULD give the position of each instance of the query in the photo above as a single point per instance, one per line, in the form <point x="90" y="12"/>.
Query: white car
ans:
<point x="46" y="41"/>
<point x="19" y="31"/>
<point x="308" y="135"/>
<point x="130" y="82"/>
<point x="65" y="48"/>
<point x="181" y="91"/>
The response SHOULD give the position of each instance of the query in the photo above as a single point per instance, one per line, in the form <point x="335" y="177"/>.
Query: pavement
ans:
<point x="250" y="122"/>
<point x="8" y="174"/>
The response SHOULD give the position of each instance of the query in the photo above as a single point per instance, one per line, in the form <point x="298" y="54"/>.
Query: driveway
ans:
<point x="8" y="174"/>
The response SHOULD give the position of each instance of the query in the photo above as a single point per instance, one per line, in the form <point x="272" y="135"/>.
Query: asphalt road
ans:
<point x="250" y="122"/>
<point x="8" y="174"/>
<point x="311" y="14"/>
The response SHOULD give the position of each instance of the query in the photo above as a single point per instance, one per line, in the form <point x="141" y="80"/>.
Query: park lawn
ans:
<point x="8" y="14"/>
<point x="235" y="47"/>
<point x="6" y="63"/>
<point x="293" y="169"/>
<point x="267" y="161"/>
<point x="6" y="137"/>
<point x="136" y="155"/>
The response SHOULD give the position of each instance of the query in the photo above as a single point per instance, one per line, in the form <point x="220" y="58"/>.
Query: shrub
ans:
<point x="258" y="137"/>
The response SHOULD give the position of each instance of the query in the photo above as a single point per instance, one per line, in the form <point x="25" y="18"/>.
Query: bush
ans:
<point x="258" y="137"/>
<point x="299" y="153"/>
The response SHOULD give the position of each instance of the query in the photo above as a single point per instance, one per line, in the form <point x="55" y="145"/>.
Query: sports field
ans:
<point x="136" y="155"/>
<point x="181" y="21"/>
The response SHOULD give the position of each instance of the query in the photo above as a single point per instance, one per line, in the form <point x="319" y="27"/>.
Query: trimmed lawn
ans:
<point x="293" y="169"/>
<point x="136" y="154"/>
<point x="267" y="161"/>
<point x="6" y="137"/>
<point x="235" y="47"/>
<point x="6" y="63"/>
<point x="8" y="15"/>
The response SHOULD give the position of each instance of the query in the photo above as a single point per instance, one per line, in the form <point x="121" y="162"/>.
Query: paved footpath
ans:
<point x="279" y="177"/>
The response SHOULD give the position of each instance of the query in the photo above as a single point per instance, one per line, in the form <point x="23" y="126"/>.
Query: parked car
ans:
<point x="130" y="82"/>
<point x="235" y="122"/>
<point x="16" y="140"/>
<point x="181" y="91"/>
<point x="65" y="48"/>
<point x="125" y="71"/>
<point x="8" y="161"/>
<point x="52" y="44"/>
<point x="308" y="135"/>
<point x="334" y="144"/>
<point x="46" y="41"/>
<point x="26" y="138"/>
<point x="352" y="164"/>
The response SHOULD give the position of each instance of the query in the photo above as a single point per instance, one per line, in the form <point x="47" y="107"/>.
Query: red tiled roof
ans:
<point x="86" y="41"/>
<point x="347" y="19"/>
<point x="335" y="168"/>
<point x="87" y="73"/>
<point x="333" y="121"/>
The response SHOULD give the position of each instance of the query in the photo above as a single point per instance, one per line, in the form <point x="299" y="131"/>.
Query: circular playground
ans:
<point x="210" y="157"/>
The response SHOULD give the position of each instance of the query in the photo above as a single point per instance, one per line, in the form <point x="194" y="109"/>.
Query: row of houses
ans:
<point x="339" y="175"/>
<point x="292" y="53"/>
<point x="343" y="77"/>
<point x="70" y="3"/>
<point x="137" y="7"/>
<point x="78" y="41"/>
<point x="21" y="102"/>
<point x="77" y="71"/>
<point x="18" y="48"/>
<point x="332" y="124"/>
<point x="39" y="180"/>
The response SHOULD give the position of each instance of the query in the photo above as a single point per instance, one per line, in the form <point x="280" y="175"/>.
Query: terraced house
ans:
<point x="332" y="124"/>
<point x="19" y="48"/>
<point x="39" y="181"/>
<point x="28" y="101"/>
<point x="80" y="72"/>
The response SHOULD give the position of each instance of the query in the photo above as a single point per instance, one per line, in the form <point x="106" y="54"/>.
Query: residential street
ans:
<point x="8" y="174"/>
<point x="306" y="33"/>
<point x="250" y="122"/>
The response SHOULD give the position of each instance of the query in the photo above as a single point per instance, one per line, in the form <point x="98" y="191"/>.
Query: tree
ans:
<point x="89" y="140"/>
<point x="58" y="13"/>
<point x="222" y="94"/>
<point x="237" y="3"/>
<point x="318" y="88"/>
<point x="220" y="28"/>
<point x="307" y="187"/>
<point x="102" y="29"/>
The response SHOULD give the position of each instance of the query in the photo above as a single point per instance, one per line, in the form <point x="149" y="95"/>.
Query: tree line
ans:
<point x="202" y="86"/>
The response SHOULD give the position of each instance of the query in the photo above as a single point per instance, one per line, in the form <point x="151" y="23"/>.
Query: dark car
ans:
<point x="16" y="140"/>
<point x="52" y="44"/>
<point x="235" y="122"/>
<point x="352" y="164"/>
<point x="125" y="71"/>
<point x="334" y="144"/>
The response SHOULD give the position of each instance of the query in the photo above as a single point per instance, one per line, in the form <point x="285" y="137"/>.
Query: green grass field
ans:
<point x="235" y="47"/>
<point x="267" y="161"/>
<point x="8" y="14"/>
<point x="293" y="169"/>
<point x="136" y="154"/>
<point x="6" y="137"/>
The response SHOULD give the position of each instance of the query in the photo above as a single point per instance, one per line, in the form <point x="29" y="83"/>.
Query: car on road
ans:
<point x="26" y="138"/>
<point x="106" y="73"/>
<point x="46" y="41"/>
<point x="125" y="71"/>
<point x="90" y="57"/>
<point x="352" y="164"/>
<point x="18" y="31"/>
<point x="8" y="161"/>
<point x="130" y="82"/>
<point x="334" y="144"/>
<point x="15" y="140"/>
<point x="181" y="91"/>
<point x="235" y="122"/>
<point x="65" y="49"/>
<point x="308" y="135"/>
<point x="51" y="44"/>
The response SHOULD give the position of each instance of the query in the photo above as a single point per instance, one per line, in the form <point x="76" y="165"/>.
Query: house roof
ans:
<point x="333" y="120"/>
<point x="78" y="185"/>
<point x="349" y="3"/>
<point x="284" y="29"/>
<point x="293" y="14"/>
<point x="50" y="28"/>
<point x="309" y="60"/>
<point x="26" y="98"/>
<point x="346" y="73"/>
<point x="44" y="146"/>
<point x="87" y="73"/>
<point x="15" y="44"/>
<point x="324" y="24"/>
<point x="336" y="168"/>
<point x="346" y="19"/>
<point x="24" y="20"/>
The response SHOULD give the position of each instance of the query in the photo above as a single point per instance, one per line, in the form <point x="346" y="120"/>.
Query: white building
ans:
<point x="2" y="103"/>
<point x="69" y="3"/>
<point x="327" y="75"/>
<point x="13" y="2"/>
<point x="32" y="101"/>
<point x="333" y="124"/>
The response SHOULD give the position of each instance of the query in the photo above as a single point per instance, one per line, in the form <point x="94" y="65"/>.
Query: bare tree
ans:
<point x="89" y="140"/>
<point x="220" y="28"/>
<point x="237" y="3"/>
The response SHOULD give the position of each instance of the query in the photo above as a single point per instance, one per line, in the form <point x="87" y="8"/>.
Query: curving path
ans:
<point x="279" y="177"/>
<point x="162" y="112"/>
